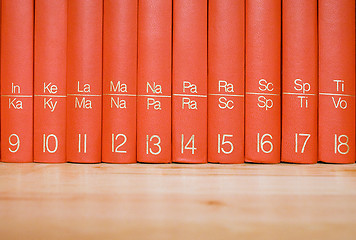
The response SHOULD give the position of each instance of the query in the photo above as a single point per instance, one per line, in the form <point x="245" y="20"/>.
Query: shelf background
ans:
<point x="177" y="201"/>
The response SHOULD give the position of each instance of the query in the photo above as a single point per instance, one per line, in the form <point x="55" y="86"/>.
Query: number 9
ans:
<point x="14" y="144"/>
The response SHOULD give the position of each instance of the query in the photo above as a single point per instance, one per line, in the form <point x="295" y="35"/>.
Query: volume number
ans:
<point x="156" y="141"/>
<point x="263" y="145"/>
<point x="14" y="141"/>
<point x="190" y="145"/>
<point x="297" y="135"/>
<point x="116" y="138"/>
<point x="46" y="140"/>
<point x="341" y="144"/>
<point x="222" y="140"/>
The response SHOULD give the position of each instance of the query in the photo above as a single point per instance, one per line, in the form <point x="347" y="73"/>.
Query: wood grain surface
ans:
<point x="177" y="201"/>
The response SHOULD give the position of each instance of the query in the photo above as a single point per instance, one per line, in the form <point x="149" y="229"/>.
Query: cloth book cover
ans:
<point x="84" y="81"/>
<point x="300" y="81"/>
<point x="337" y="81"/>
<point x="119" y="81"/>
<point x="154" y="81"/>
<point x="189" y="103"/>
<point x="50" y="81"/>
<point x="226" y="81"/>
<point x="263" y="70"/>
<point x="17" y="80"/>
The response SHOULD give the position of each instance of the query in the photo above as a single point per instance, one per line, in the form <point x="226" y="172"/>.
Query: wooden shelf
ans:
<point x="177" y="201"/>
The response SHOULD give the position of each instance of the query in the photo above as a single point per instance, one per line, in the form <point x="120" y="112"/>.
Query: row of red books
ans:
<point x="159" y="81"/>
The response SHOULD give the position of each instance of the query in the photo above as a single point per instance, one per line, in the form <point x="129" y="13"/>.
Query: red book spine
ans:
<point x="262" y="106"/>
<point x="189" y="108"/>
<point x="119" y="81"/>
<point x="50" y="81"/>
<point x="154" y="82"/>
<point x="84" y="84"/>
<point x="0" y="74"/>
<point x="226" y="56"/>
<point x="300" y="81"/>
<point x="337" y="81"/>
<point x="17" y="80"/>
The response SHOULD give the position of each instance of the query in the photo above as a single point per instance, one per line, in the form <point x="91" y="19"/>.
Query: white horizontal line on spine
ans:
<point x="84" y="95"/>
<point x="269" y="94"/>
<point x="120" y="94"/>
<point x="226" y="95"/>
<point x="188" y="95"/>
<point x="166" y="96"/>
<point x="336" y="94"/>
<point x="26" y="96"/>
<point x="39" y="95"/>
<point x="293" y="93"/>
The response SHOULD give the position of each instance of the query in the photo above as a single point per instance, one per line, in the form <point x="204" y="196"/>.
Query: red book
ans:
<point x="262" y="107"/>
<point x="226" y="56"/>
<point x="189" y="108"/>
<point x="119" y="81"/>
<point x="84" y="90"/>
<point x="337" y="81"/>
<point x="154" y="81"/>
<point x="17" y="80"/>
<point x="50" y="81"/>
<point x="0" y="76"/>
<point x="300" y="81"/>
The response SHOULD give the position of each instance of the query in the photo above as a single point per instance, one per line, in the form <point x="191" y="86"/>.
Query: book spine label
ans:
<point x="300" y="81"/>
<point x="337" y="81"/>
<point x="50" y="80"/>
<point x="262" y="106"/>
<point x="189" y="103"/>
<point x="226" y="56"/>
<point x="84" y="84"/>
<point x="119" y="81"/>
<point x="154" y="82"/>
<point x="17" y="80"/>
